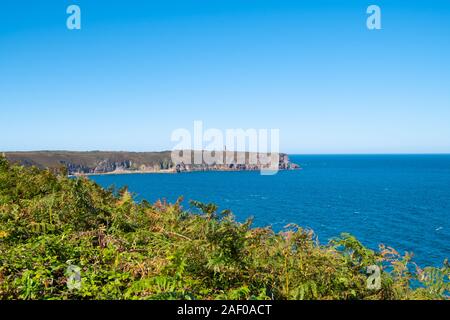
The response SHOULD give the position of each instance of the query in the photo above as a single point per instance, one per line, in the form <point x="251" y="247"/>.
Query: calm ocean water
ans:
<point x="399" y="200"/>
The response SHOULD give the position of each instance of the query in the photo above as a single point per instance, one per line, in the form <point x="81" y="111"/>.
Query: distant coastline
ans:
<point x="119" y="172"/>
<point x="115" y="163"/>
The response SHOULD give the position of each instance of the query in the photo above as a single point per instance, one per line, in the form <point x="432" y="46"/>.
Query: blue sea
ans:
<point x="401" y="201"/>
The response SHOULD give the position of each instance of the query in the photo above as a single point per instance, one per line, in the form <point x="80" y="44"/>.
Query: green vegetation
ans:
<point x="127" y="250"/>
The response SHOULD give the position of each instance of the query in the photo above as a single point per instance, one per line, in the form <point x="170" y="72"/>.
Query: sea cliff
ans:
<point x="103" y="162"/>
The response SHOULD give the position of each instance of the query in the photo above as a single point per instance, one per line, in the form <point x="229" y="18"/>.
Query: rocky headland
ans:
<point x="103" y="162"/>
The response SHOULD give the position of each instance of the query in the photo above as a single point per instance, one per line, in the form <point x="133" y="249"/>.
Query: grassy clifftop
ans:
<point x="51" y="225"/>
<point x="90" y="161"/>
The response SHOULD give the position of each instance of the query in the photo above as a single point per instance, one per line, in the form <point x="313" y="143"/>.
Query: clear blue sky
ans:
<point x="139" y="69"/>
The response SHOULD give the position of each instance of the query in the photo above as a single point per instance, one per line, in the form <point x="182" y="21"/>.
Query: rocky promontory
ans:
<point x="103" y="162"/>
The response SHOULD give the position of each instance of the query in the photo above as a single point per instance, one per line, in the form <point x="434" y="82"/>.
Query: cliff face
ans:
<point x="103" y="166"/>
<point x="235" y="165"/>
<point x="98" y="162"/>
<point x="94" y="161"/>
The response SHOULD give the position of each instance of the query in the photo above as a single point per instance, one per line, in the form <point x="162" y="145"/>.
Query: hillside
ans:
<point x="106" y="162"/>
<point x="63" y="238"/>
<point x="91" y="161"/>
